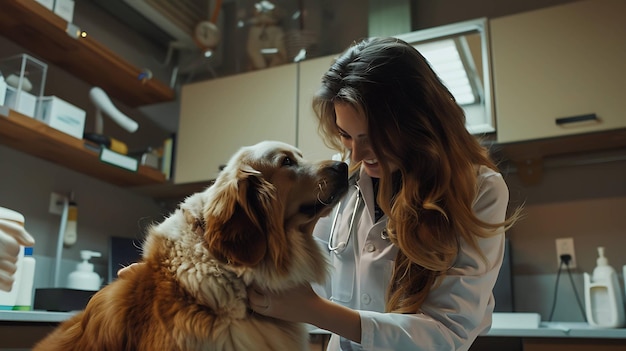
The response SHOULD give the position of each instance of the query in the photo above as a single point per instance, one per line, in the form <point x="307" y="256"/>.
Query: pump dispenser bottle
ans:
<point x="84" y="278"/>
<point x="603" y="296"/>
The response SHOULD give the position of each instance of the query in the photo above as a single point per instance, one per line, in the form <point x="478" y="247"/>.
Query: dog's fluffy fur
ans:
<point x="252" y="226"/>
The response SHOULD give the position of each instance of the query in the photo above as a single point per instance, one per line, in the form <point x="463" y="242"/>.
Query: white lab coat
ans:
<point x="453" y="314"/>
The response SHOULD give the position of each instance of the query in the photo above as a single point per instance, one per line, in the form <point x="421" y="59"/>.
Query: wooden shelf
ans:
<point x="34" y="27"/>
<point x="529" y="155"/>
<point x="563" y="145"/>
<point x="36" y="138"/>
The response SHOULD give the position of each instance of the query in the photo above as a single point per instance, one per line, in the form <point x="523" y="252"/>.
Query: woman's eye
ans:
<point x="344" y="135"/>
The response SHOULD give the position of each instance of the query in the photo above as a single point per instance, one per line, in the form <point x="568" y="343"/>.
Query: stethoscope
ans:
<point x="358" y="207"/>
<point x="342" y="244"/>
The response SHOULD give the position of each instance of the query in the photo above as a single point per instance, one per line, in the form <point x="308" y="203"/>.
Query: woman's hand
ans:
<point x="12" y="235"/>
<point x="294" y="305"/>
<point x="302" y="304"/>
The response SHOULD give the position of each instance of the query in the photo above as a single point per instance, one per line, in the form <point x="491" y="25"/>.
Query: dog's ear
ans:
<point x="236" y="229"/>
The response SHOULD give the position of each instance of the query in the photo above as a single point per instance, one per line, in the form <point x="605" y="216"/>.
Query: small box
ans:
<point x="64" y="9"/>
<point x="62" y="115"/>
<point x="25" y="77"/>
<point x="61" y="299"/>
<point x="49" y="4"/>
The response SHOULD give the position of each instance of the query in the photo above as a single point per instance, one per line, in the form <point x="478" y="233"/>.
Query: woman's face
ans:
<point x="353" y="132"/>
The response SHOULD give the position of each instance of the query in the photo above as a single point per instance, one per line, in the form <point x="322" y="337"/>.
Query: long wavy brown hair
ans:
<point x="415" y="124"/>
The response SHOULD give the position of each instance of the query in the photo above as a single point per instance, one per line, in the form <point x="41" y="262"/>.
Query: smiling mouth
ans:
<point x="371" y="162"/>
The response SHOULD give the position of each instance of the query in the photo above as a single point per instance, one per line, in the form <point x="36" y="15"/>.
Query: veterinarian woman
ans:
<point x="12" y="235"/>
<point x="417" y="243"/>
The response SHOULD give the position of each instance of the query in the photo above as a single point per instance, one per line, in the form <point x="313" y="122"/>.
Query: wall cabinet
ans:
<point x="219" y="116"/>
<point x="560" y="62"/>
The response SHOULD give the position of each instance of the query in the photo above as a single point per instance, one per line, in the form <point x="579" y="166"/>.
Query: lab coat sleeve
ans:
<point x="320" y="234"/>
<point x="459" y="309"/>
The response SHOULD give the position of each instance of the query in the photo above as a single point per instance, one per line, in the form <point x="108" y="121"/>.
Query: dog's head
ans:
<point x="266" y="193"/>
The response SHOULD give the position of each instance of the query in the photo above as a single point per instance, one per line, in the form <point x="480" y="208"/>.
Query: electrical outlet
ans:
<point x="565" y="246"/>
<point x="56" y="203"/>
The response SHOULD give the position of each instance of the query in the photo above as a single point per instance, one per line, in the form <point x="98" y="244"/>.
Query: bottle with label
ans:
<point x="8" y="299"/>
<point x="24" y="301"/>
<point x="603" y="296"/>
<point x="84" y="277"/>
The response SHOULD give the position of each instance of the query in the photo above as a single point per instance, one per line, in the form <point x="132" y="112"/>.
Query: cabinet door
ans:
<point x="310" y="78"/>
<point x="219" y="116"/>
<point x="557" y="62"/>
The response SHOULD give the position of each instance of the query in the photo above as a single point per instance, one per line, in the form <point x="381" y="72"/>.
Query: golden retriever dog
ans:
<point x="253" y="226"/>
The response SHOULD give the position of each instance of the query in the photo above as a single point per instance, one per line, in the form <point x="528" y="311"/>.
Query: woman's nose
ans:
<point x="357" y="152"/>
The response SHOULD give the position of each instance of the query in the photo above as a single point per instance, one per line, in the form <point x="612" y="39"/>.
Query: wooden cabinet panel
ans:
<point x="310" y="77"/>
<point x="557" y="62"/>
<point x="219" y="116"/>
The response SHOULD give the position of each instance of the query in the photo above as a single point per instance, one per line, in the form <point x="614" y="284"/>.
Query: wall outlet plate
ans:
<point x="565" y="246"/>
<point x="56" y="203"/>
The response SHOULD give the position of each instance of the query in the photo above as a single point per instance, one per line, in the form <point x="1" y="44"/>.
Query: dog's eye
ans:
<point x="288" y="161"/>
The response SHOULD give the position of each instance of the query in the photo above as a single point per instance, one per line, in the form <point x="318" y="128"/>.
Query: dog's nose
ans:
<point x="341" y="168"/>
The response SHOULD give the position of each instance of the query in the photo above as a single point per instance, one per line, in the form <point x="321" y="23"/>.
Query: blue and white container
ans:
<point x="9" y="299"/>
<point x="26" y="271"/>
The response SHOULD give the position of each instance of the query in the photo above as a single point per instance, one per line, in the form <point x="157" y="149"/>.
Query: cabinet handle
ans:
<point x="575" y="119"/>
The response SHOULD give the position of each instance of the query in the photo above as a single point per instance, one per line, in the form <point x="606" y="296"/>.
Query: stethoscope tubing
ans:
<point x="343" y="244"/>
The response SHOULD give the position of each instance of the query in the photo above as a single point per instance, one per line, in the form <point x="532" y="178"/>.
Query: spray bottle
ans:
<point x="603" y="297"/>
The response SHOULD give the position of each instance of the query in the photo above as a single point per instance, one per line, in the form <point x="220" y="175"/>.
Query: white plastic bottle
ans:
<point x="8" y="299"/>
<point x="24" y="301"/>
<point x="84" y="278"/>
<point x="70" y="235"/>
<point x="603" y="296"/>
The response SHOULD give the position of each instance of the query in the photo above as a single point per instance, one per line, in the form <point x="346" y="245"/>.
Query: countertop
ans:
<point x="561" y="329"/>
<point x="545" y="329"/>
<point x="34" y="316"/>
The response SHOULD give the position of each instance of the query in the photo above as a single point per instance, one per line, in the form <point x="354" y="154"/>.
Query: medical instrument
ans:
<point x="342" y="244"/>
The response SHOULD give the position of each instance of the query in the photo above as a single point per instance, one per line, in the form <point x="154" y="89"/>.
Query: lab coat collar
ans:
<point x="364" y="181"/>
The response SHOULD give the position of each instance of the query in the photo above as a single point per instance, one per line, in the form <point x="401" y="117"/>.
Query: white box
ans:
<point x="49" y="4"/>
<point x="25" y="104"/>
<point x="64" y="9"/>
<point x="62" y="115"/>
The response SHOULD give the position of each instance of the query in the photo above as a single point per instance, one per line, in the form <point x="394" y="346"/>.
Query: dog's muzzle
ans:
<point x="335" y="185"/>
